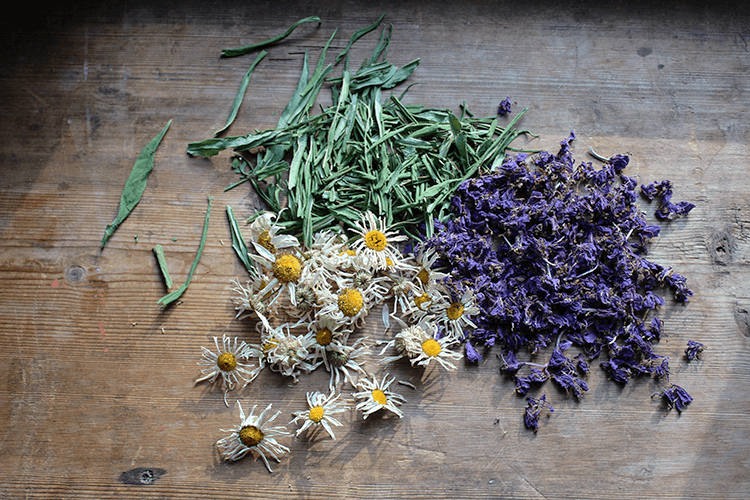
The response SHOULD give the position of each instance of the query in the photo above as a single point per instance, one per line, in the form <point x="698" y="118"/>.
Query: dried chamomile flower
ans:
<point x="455" y="315"/>
<point x="320" y="411"/>
<point x="376" y="395"/>
<point x="425" y="261"/>
<point x="227" y="362"/>
<point x="342" y="360"/>
<point x="285" y="270"/>
<point x="419" y="345"/>
<point x="285" y="352"/>
<point x="254" y="434"/>
<point x="264" y="232"/>
<point x="248" y="299"/>
<point x="376" y="243"/>
<point x="327" y="332"/>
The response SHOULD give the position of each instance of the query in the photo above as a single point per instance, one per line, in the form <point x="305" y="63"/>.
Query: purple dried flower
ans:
<point x="693" y="350"/>
<point x="555" y="254"/>
<point x="675" y="397"/>
<point x="504" y="107"/>
<point x="534" y="410"/>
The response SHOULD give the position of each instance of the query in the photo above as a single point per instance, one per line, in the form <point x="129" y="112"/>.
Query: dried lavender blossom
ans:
<point x="675" y="397"/>
<point x="504" y="107"/>
<point x="534" y="410"/>
<point x="693" y="350"/>
<point x="555" y="255"/>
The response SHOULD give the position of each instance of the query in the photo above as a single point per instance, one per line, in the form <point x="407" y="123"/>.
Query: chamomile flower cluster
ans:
<point x="309" y="306"/>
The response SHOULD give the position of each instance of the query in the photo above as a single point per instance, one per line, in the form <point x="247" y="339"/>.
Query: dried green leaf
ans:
<point x="136" y="183"/>
<point x="249" y="48"/>
<point x="159" y="252"/>
<point x="241" y="93"/>
<point x="173" y="296"/>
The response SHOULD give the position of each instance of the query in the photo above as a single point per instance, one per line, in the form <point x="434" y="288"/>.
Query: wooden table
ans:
<point x="96" y="382"/>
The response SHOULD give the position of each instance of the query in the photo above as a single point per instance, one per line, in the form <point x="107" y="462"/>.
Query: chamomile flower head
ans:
<point x="355" y="294"/>
<point x="344" y="360"/>
<point x="264" y="232"/>
<point x="228" y="363"/>
<point x="254" y="434"/>
<point x="248" y="300"/>
<point x="455" y="314"/>
<point x="284" y="268"/>
<point x="376" y="244"/>
<point x="285" y="352"/>
<point x="426" y="272"/>
<point x="327" y="332"/>
<point x="375" y="395"/>
<point x="319" y="414"/>
<point x="419" y="344"/>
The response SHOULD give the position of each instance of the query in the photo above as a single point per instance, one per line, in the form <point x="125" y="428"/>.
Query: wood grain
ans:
<point x="97" y="398"/>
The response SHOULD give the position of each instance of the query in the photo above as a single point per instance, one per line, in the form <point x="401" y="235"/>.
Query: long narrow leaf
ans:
<point x="357" y="35"/>
<point x="172" y="297"/>
<point x="136" y="183"/>
<point x="249" y="48"/>
<point x="159" y="251"/>
<point x="241" y="94"/>
<point x="238" y="242"/>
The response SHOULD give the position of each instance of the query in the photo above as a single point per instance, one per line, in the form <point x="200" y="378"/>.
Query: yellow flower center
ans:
<point x="350" y="253"/>
<point x="379" y="397"/>
<point x="455" y="311"/>
<point x="375" y="240"/>
<point x="421" y="300"/>
<point x="324" y="336"/>
<point x="251" y="435"/>
<point x="269" y="345"/>
<point x="287" y="268"/>
<point x="431" y="347"/>
<point x="424" y="276"/>
<point x="351" y="302"/>
<point x="226" y="362"/>
<point x="388" y="262"/>
<point x="316" y="414"/>
<point x="265" y="241"/>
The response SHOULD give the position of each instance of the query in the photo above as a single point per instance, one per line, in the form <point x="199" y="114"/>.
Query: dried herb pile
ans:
<point x="367" y="151"/>
<point x="555" y="253"/>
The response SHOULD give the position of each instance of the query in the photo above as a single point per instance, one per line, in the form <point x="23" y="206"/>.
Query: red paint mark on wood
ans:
<point x="55" y="284"/>
<point x="101" y="329"/>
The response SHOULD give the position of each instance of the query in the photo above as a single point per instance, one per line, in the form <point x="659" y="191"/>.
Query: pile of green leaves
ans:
<point x="363" y="152"/>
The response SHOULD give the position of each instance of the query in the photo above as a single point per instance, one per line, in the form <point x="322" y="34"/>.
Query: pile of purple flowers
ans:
<point x="555" y="255"/>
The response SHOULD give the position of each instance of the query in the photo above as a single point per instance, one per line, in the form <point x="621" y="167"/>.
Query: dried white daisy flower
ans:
<point x="342" y="360"/>
<point x="425" y="261"/>
<point x="320" y="411"/>
<point x="253" y="434"/>
<point x="284" y="268"/>
<point x="228" y="362"/>
<point x="327" y="332"/>
<point x="248" y="300"/>
<point x="419" y="345"/>
<point x="264" y="232"/>
<point x="376" y="243"/>
<point x="284" y="352"/>
<point x="376" y="395"/>
<point x="452" y="314"/>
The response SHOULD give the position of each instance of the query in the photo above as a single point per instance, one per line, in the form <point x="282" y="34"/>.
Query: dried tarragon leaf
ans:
<point x="249" y="48"/>
<point x="173" y="296"/>
<point x="362" y="153"/>
<point x="136" y="183"/>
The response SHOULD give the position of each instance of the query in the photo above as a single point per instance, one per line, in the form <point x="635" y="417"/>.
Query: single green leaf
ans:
<point x="238" y="242"/>
<point x="136" y="183"/>
<point x="241" y="93"/>
<point x="173" y="296"/>
<point x="249" y="48"/>
<point x="159" y="251"/>
<point x="357" y="35"/>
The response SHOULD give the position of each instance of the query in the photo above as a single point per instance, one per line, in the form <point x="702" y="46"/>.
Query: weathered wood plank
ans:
<point x="96" y="383"/>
